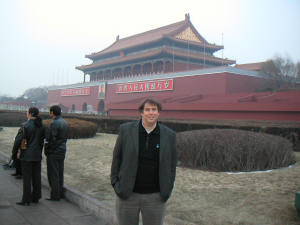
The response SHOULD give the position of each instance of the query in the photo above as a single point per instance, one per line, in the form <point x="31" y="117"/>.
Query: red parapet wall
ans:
<point x="217" y="94"/>
<point x="277" y="106"/>
<point x="217" y="115"/>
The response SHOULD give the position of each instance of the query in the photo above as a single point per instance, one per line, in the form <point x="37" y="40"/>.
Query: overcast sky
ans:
<point x="42" y="41"/>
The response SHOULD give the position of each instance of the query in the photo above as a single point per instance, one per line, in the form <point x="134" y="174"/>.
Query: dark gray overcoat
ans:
<point x="125" y="160"/>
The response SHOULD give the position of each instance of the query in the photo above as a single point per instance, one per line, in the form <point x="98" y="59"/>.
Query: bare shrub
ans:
<point x="233" y="150"/>
<point x="78" y="128"/>
<point x="10" y="119"/>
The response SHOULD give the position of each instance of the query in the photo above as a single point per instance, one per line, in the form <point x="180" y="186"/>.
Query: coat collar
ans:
<point x="143" y="130"/>
<point x="135" y="138"/>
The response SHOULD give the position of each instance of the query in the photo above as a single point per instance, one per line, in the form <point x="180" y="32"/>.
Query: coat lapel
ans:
<point x="163" y="142"/>
<point x="135" y="137"/>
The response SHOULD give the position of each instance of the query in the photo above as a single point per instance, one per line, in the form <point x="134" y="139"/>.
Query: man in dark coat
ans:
<point x="55" y="150"/>
<point x="144" y="167"/>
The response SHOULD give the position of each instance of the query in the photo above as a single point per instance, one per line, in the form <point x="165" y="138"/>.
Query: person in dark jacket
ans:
<point x="55" y="150"/>
<point x="32" y="156"/>
<point x="144" y="167"/>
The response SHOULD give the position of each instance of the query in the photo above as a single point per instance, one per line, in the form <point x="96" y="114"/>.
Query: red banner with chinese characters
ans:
<point x="75" y="91"/>
<point x="145" y="86"/>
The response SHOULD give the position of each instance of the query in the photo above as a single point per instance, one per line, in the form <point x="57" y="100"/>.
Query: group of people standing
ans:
<point x="37" y="137"/>
<point x="143" y="166"/>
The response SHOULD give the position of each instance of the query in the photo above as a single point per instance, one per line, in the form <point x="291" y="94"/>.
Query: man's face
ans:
<point x="150" y="114"/>
<point x="51" y="114"/>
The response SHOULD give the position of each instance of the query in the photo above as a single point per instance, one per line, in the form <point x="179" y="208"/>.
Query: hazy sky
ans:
<point x="42" y="41"/>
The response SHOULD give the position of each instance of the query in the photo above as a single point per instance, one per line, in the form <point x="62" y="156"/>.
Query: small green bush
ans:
<point x="78" y="128"/>
<point x="233" y="150"/>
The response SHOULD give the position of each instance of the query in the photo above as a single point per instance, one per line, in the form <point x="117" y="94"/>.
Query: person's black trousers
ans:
<point x="55" y="172"/>
<point x="31" y="177"/>
<point x="18" y="166"/>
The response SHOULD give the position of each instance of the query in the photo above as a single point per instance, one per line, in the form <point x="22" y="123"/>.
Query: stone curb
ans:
<point x="84" y="202"/>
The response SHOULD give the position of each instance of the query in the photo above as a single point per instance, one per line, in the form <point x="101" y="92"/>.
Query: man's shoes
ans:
<point x="23" y="203"/>
<point x="52" y="199"/>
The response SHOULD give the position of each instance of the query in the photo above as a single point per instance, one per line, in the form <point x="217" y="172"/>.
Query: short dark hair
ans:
<point x="33" y="111"/>
<point x="151" y="102"/>
<point x="56" y="110"/>
<point x="36" y="113"/>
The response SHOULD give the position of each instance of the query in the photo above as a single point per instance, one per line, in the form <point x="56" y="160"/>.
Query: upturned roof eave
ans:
<point x="125" y="48"/>
<point x="153" y="53"/>
<point x="170" y="36"/>
<point x="208" y="45"/>
<point x="102" y="52"/>
<point x="95" y="55"/>
<point x="118" y="60"/>
<point x="200" y="56"/>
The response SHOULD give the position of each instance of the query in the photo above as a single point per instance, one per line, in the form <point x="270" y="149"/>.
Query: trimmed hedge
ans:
<point x="288" y="130"/>
<point x="77" y="128"/>
<point x="12" y="119"/>
<point x="233" y="150"/>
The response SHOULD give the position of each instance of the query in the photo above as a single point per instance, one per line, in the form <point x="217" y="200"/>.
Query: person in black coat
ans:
<point x="32" y="156"/>
<point x="55" y="150"/>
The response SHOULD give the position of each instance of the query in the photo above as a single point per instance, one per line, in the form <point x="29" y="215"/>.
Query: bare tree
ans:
<point x="282" y="72"/>
<point x="298" y="70"/>
<point x="37" y="95"/>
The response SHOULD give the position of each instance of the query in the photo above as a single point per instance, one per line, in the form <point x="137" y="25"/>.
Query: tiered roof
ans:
<point x="180" y="32"/>
<point x="154" y="52"/>
<point x="171" y="31"/>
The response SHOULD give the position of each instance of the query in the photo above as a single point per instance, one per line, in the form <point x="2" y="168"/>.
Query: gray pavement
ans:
<point x="44" y="213"/>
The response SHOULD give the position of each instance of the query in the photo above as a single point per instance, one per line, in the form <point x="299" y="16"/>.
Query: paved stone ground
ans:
<point x="43" y="213"/>
<point x="200" y="197"/>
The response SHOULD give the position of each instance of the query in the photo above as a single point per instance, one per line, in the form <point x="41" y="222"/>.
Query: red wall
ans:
<point x="211" y="96"/>
<point x="239" y="83"/>
<point x="92" y="99"/>
<point x="183" y="86"/>
<point x="211" y="84"/>
<point x="219" y="115"/>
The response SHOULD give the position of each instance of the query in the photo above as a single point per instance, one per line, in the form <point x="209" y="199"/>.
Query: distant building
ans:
<point x="251" y="66"/>
<point x="173" y="48"/>
<point x="21" y="105"/>
<point x="15" y="105"/>
<point x="175" y="65"/>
